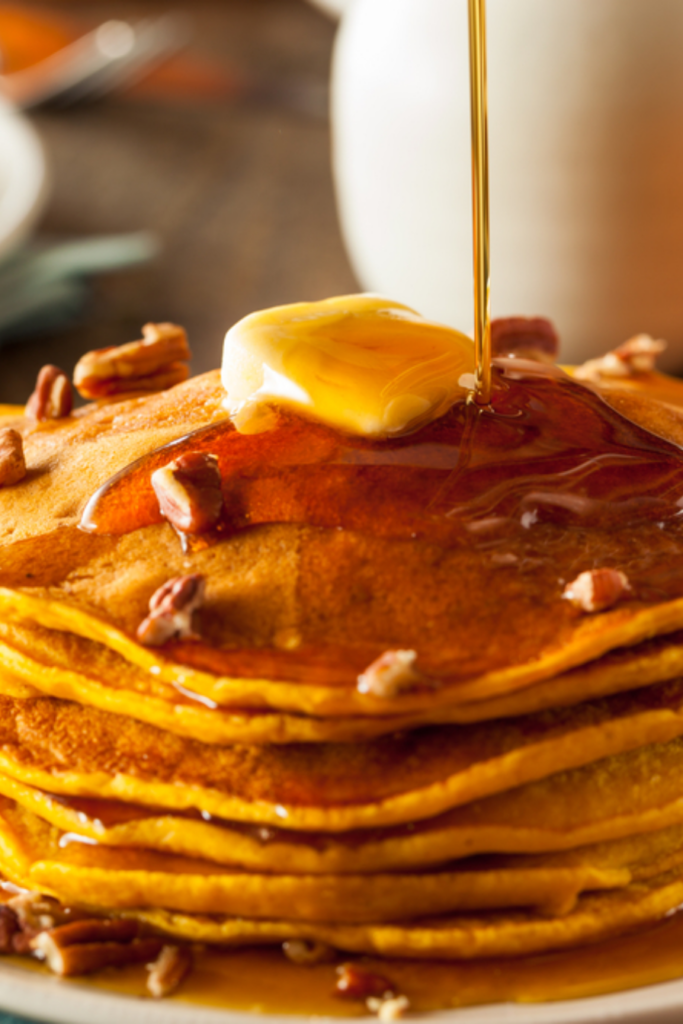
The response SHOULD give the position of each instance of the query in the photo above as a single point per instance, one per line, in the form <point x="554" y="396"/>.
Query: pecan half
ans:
<point x="354" y="982"/>
<point x="155" y="363"/>
<point x="527" y="337"/>
<point x="95" y="929"/>
<point x="388" y="1009"/>
<point x="307" y="952"/>
<point x="67" y="957"/>
<point x="597" y="590"/>
<point x="637" y="355"/>
<point x="391" y="674"/>
<point x="9" y="926"/>
<point x="169" y="970"/>
<point x="189" y="492"/>
<point x="52" y="398"/>
<point x="12" y="462"/>
<point x="171" y="610"/>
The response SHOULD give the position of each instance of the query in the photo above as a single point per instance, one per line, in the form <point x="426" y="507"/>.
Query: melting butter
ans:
<point x="359" y="363"/>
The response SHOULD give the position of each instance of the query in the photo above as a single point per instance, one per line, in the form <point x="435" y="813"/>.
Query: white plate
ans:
<point x="23" y="177"/>
<point x="47" y="998"/>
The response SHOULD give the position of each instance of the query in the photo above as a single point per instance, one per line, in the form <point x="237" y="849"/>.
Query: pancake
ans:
<point x="126" y="878"/>
<point x="591" y="637"/>
<point x="336" y="787"/>
<point x="47" y="661"/>
<point x="259" y="848"/>
<point x="596" y="917"/>
<point x="244" y="776"/>
<point x="25" y="843"/>
<point x="349" y="595"/>
<point x="633" y="792"/>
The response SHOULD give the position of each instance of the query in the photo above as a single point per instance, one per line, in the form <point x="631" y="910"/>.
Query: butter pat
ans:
<point x="358" y="363"/>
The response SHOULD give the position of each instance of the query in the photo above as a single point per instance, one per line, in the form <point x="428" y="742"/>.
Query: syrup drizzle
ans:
<point x="480" y="199"/>
<point x="266" y="981"/>
<point x="547" y="450"/>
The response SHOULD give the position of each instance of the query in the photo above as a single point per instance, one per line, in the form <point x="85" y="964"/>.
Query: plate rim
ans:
<point x="48" y="998"/>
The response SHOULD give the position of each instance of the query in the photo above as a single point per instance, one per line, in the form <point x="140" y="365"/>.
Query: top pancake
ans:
<point x="298" y="608"/>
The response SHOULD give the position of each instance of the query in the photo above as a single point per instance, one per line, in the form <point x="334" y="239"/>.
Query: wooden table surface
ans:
<point x="239" y="193"/>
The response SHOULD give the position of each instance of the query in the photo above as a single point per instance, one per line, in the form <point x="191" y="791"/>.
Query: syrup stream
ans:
<point x="480" y="199"/>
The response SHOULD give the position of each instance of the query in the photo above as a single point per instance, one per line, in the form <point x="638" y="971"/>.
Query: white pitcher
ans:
<point x="586" y="144"/>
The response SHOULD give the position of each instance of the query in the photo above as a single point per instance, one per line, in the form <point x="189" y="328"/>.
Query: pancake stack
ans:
<point x="420" y="697"/>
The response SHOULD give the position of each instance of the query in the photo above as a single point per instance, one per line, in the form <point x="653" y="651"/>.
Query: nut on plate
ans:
<point x="355" y="982"/>
<point x="169" y="970"/>
<point x="388" y="1009"/>
<point x="9" y="927"/>
<point x="88" y="945"/>
<point x="72" y="944"/>
<point x="156" y="362"/>
<point x="36" y="912"/>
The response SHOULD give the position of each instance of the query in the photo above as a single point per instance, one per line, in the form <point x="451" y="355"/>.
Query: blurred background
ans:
<point x="195" y="165"/>
<point x="196" y="193"/>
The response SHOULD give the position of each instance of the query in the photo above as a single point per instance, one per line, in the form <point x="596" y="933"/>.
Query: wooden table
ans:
<point x="238" y="192"/>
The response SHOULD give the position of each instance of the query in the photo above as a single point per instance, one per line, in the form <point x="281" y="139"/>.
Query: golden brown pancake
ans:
<point x="75" y="751"/>
<point x="126" y="880"/>
<point x="337" y="590"/>
<point x="258" y="848"/>
<point x="130" y="878"/>
<point x="522" y="794"/>
<point x="65" y="665"/>
<point x="388" y="780"/>
<point x="552" y="883"/>
<point x="596" y="916"/>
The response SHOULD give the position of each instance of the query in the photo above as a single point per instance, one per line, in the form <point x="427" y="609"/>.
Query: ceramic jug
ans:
<point x="586" y="153"/>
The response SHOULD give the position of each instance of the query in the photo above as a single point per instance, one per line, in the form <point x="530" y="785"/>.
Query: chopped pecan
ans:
<point x="388" y="1009"/>
<point x="9" y="926"/>
<point x="155" y="363"/>
<point x="36" y="912"/>
<point x="637" y="355"/>
<point x="528" y="337"/>
<point x="307" y="952"/>
<point x="171" y="610"/>
<point x="354" y="982"/>
<point x="597" y="590"/>
<point x="12" y="462"/>
<point x="52" y="398"/>
<point x="189" y="492"/>
<point x="169" y="970"/>
<point x="391" y="674"/>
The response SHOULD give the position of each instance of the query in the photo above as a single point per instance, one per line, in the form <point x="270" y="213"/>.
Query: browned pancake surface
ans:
<point x="347" y="594"/>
